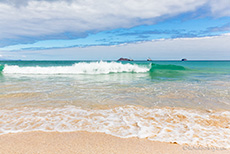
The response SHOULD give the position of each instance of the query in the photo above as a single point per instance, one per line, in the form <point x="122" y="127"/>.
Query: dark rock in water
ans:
<point x="184" y="59"/>
<point x="149" y="59"/>
<point x="124" y="59"/>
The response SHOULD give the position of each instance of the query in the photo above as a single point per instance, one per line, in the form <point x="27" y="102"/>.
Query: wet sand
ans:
<point x="88" y="143"/>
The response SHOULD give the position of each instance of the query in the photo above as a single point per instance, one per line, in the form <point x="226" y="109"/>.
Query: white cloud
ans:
<point x="220" y="7"/>
<point x="206" y="48"/>
<point x="43" y="18"/>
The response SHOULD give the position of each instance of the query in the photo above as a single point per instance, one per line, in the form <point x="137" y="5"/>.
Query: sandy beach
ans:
<point x="87" y="143"/>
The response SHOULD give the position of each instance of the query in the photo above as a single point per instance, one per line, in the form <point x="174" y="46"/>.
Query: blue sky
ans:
<point x="71" y="29"/>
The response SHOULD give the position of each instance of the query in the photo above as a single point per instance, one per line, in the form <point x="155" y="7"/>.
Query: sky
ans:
<point x="109" y="29"/>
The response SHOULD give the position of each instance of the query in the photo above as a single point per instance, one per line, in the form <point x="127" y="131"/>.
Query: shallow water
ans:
<point x="168" y="99"/>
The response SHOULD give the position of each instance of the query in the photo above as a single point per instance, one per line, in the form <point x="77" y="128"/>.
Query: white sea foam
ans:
<point x="78" y="68"/>
<point x="158" y="124"/>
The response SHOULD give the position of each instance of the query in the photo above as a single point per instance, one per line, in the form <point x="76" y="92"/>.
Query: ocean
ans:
<point x="170" y="101"/>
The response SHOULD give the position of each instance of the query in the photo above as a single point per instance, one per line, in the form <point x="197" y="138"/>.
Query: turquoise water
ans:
<point x="194" y="84"/>
<point x="164" y="69"/>
<point x="169" y="101"/>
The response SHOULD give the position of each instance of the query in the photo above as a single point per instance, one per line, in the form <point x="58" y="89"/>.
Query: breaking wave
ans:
<point x="77" y="68"/>
<point x="90" y="68"/>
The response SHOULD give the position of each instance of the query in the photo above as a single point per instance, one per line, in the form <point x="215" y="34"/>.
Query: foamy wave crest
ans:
<point x="78" y="68"/>
<point x="158" y="124"/>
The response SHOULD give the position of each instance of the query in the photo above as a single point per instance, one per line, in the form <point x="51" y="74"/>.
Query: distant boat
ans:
<point x="184" y="59"/>
<point x="149" y="59"/>
<point x="125" y="59"/>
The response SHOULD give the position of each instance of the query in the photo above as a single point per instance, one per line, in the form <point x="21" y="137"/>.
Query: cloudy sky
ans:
<point x="110" y="29"/>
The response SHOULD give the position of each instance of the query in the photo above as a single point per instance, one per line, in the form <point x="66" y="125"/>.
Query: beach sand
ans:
<point x="86" y="143"/>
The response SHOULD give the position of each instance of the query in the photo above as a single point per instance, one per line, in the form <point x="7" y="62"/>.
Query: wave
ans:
<point x="1" y="68"/>
<point x="78" y="68"/>
<point x="165" y="67"/>
<point x="92" y="68"/>
<point x="183" y="126"/>
<point x="166" y="71"/>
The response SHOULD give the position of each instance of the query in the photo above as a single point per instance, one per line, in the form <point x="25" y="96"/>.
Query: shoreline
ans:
<point x="90" y="143"/>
